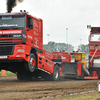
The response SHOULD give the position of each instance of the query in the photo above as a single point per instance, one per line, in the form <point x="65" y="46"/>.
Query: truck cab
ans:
<point x="18" y="34"/>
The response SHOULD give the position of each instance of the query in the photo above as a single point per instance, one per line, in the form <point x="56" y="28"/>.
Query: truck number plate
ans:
<point x="3" y="57"/>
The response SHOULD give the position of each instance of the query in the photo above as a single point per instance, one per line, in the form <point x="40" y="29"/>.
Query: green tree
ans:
<point x="52" y="46"/>
<point x="83" y="48"/>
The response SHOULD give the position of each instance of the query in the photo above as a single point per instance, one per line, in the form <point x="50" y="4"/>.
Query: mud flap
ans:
<point x="80" y="71"/>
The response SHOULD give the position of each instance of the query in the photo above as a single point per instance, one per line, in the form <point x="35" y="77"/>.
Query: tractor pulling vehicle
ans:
<point x="77" y="67"/>
<point x="21" y="47"/>
<point x="71" y="64"/>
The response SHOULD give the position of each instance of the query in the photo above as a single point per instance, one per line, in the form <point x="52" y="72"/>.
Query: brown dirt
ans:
<point x="12" y="89"/>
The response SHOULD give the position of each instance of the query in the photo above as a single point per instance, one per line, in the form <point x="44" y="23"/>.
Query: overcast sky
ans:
<point x="58" y="15"/>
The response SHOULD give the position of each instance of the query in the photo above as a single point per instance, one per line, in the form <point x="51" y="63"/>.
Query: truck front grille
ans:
<point x="6" y="49"/>
<point x="11" y="38"/>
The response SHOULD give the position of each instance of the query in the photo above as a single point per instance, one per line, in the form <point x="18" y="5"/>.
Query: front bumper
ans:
<point x="16" y="56"/>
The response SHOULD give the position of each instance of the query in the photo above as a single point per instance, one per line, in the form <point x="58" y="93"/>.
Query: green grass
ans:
<point x="84" y="97"/>
<point x="7" y="73"/>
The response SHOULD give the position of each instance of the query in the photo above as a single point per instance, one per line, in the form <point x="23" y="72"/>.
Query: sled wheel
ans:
<point x="56" y="74"/>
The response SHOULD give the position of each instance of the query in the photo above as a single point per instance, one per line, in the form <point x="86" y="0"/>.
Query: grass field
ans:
<point x="88" y="96"/>
<point x="7" y="73"/>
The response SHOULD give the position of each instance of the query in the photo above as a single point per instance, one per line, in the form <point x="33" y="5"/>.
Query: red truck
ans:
<point x="94" y="51"/>
<point x="21" y="47"/>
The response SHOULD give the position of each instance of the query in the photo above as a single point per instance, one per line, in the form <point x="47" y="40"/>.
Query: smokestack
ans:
<point x="11" y="4"/>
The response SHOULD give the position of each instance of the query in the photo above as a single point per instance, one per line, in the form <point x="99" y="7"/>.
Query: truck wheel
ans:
<point x="24" y="76"/>
<point x="19" y="76"/>
<point x="56" y="74"/>
<point x="27" y="76"/>
<point x="31" y="66"/>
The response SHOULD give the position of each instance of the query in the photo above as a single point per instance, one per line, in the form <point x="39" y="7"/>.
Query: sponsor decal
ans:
<point x="50" y="65"/>
<point x="15" y="31"/>
<point x="48" y="55"/>
<point x="36" y="46"/>
<point x="10" y="32"/>
<point x="36" y="40"/>
<point x="35" y="33"/>
<point x="78" y="57"/>
<point x="3" y="57"/>
<point x="35" y="24"/>
<point x="63" y="57"/>
<point x="30" y="37"/>
<point x="6" y="17"/>
<point x="16" y="35"/>
<point x="7" y="25"/>
<point x="41" y="55"/>
<point x="36" y="29"/>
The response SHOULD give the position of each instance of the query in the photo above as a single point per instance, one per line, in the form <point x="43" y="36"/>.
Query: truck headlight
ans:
<point x="20" y="50"/>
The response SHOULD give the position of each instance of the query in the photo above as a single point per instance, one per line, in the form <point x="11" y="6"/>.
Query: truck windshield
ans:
<point x="95" y="37"/>
<point x="12" y="21"/>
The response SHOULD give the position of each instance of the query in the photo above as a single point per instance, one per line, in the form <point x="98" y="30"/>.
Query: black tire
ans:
<point x="19" y="76"/>
<point x="31" y="66"/>
<point x="24" y="76"/>
<point x="56" y="74"/>
<point x="27" y="76"/>
<point x="37" y="73"/>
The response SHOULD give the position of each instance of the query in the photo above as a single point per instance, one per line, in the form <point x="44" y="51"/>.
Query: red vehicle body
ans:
<point x="64" y="56"/>
<point x="21" y="47"/>
<point x="73" y="64"/>
<point x="69" y="64"/>
<point x="94" y="51"/>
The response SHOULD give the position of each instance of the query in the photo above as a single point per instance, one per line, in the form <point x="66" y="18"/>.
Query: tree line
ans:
<point x="53" y="46"/>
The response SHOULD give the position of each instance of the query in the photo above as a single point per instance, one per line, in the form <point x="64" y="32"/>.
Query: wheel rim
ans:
<point x="56" y="74"/>
<point x="32" y="62"/>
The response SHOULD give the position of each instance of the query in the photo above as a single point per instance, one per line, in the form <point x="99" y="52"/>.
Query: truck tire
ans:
<point x="56" y="74"/>
<point x="24" y="76"/>
<point x="31" y="66"/>
<point x="19" y="76"/>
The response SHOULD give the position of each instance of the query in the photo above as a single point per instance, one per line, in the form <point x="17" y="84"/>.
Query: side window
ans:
<point x="29" y="22"/>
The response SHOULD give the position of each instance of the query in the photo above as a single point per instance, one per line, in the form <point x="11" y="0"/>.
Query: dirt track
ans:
<point x="11" y="88"/>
